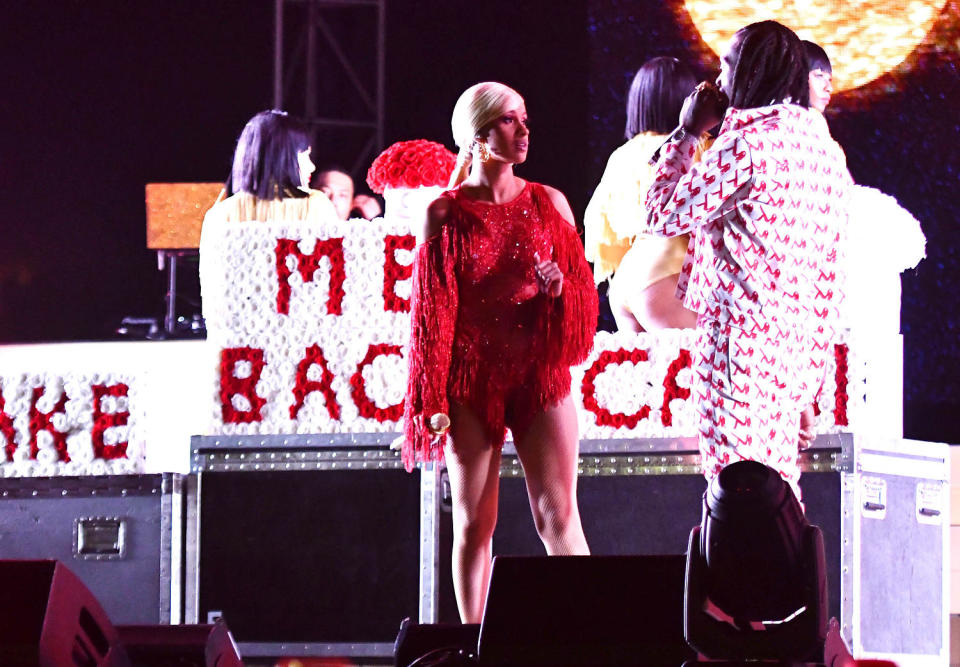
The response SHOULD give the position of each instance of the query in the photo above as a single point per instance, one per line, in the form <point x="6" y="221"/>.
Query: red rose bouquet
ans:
<point x="411" y="164"/>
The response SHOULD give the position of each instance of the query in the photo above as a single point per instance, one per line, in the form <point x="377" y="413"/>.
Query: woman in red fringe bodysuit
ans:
<point x="503" y="304"/>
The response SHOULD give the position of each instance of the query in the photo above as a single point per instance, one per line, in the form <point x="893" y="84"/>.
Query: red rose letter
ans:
<point x="43" y="421"/>
<point x="231" y="385"/>
<point x="104" y="420"/>
<point x="306" y="266"/>
<point x="840" y="352"/>
<point x="367" y="407"/>
<point x="394" y="272"/>
<point x="671" y="390"/>
<point x="305" y="386"/>
<point x="588" y="388"/>
<point x="6" y="428"/>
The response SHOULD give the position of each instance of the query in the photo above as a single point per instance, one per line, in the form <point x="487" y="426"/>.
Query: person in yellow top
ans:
<point x="642" y="269"/>
<point x="271" y="173"/>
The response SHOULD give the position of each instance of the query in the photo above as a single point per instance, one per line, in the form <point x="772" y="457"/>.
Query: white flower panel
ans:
<point x="240" y="289"/>
<point x="61" y="439"/>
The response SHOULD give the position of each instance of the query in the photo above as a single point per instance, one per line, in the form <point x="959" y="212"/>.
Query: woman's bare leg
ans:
<point x="474" y="471"/>
<point x="657" y="307"/>
<point x="548" y="450"/>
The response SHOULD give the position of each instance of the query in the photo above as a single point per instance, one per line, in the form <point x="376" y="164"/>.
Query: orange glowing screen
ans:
<point x="864" y="38"/>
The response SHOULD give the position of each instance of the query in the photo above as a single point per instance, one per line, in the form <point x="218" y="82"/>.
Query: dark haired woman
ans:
<point x="767" y="206"/>
<point x="271" y="173"/>
<point x="502" y="306"/>
<point x="642" y="269"/>
<point x="820" y="75"/>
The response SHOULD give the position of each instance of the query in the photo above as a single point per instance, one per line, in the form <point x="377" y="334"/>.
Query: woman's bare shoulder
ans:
<point x="559" y="201"/>
<point x="438" y="213"/>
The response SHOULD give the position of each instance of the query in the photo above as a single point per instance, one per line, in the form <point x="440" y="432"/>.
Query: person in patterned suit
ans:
<point x="767" y="207"/>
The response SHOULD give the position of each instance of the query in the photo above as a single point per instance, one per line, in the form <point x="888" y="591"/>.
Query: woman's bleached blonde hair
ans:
<point x="477" y="107"/>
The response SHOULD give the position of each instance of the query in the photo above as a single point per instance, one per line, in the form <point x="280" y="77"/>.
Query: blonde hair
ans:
<point x="477" y="107"/>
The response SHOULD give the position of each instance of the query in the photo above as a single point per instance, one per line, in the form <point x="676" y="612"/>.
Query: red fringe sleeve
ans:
<point x="433" y="316"/>
<point x="571" y="321"/>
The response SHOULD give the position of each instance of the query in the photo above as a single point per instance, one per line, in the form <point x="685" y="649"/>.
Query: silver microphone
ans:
<point x="678" y="134"/>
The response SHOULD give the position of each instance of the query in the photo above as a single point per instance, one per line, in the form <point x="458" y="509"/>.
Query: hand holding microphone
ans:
<point x="703" y="109"/>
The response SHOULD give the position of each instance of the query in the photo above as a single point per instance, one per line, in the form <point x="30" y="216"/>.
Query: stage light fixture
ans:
<point x="756" y="586"/>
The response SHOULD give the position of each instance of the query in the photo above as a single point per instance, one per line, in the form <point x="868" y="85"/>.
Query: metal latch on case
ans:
<point x="873" y="495"/>
<point x="930" y="502"/>
<point x="100" y="537"/>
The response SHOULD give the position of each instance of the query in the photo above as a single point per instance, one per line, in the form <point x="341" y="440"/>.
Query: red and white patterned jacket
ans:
<point x="767" y="209"/>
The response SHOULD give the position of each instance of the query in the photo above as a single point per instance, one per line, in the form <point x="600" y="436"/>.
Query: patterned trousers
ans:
<point x="752" y="386"/>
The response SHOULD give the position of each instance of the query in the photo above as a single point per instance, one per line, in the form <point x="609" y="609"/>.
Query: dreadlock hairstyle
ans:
<point x="656" y="96"/>
<point x="816" y="57"/>
<point x="771" y="67"/>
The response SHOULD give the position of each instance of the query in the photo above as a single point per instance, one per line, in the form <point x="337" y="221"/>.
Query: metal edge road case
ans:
<point x="638" y="497"/>
<point x="896" y="550"/>
<point x="307" y="545"/>
<point x="882" y="505"/>
<point x="120" y="534"/>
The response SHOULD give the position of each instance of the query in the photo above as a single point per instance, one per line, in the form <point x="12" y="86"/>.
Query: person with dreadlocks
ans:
<point x="767" y="207"/>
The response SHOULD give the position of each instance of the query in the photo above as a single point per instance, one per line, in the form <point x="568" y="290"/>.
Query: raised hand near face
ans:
<point x="703" y="108"/>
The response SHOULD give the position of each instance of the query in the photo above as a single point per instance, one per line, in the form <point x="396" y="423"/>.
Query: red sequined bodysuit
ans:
<point x="482" y="334"/>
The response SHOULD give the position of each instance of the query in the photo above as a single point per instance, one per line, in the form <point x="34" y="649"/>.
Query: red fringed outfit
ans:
<point x="482" y="334"/>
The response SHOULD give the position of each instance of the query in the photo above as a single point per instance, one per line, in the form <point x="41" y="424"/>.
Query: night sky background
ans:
<point x="101" y="97"/>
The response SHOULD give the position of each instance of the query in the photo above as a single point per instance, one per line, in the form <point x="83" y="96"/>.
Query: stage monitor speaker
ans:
<point x="585" y="610"/>
<point x="435" y="644"/>
<point x="49" y="617"/>
<point x="181" y="645"/>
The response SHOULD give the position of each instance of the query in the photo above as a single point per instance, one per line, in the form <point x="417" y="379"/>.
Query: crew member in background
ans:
<point x="338" y="186"/>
